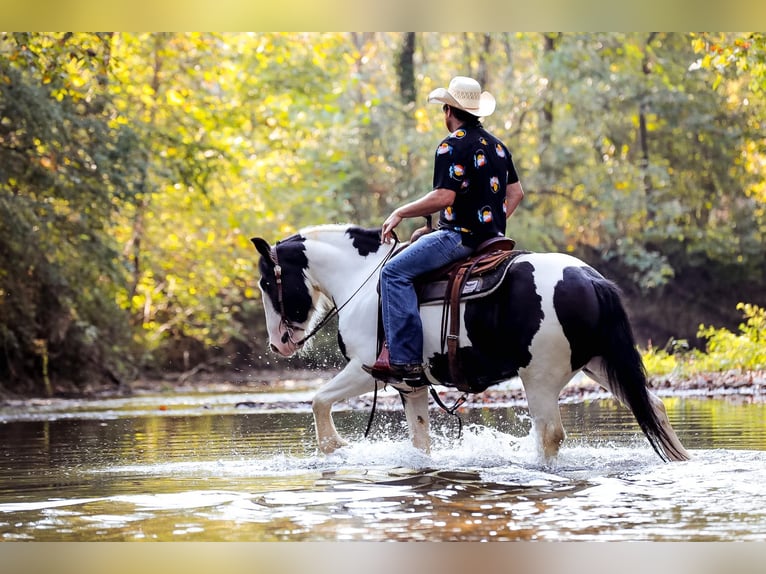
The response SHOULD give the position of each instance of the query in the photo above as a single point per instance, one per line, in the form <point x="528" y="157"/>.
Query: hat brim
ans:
<point x="486" y="102"/>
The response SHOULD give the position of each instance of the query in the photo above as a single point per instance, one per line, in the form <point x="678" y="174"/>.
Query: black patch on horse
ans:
<point x="577" y="309"/>
<point x="500" y="327"/>
<point x="365" y="241"/>
<point x="342" y="347"/>
<point x="291" y="255"/>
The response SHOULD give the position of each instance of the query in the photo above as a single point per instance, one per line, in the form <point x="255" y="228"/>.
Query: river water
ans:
<point x="205" y="467"/>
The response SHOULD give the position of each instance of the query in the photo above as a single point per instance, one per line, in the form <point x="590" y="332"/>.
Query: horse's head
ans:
<point x="343" y="259"/>
<point x="288" y="297"/>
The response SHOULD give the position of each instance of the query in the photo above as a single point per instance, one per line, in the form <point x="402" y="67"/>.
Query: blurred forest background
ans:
<point x="134" y="168"/>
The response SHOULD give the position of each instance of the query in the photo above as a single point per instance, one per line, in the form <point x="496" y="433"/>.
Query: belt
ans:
<point x="456" y="228"/>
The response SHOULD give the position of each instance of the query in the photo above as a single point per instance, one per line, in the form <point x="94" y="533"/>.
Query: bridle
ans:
<point x="289" y="326"/>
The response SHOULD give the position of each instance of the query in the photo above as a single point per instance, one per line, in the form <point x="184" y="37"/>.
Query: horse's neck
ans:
<point x="338" y="269"/>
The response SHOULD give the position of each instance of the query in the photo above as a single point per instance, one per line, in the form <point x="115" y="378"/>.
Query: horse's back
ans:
<point x="551" y="264"/>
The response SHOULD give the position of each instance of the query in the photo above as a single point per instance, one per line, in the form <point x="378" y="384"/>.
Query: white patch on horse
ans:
<point x="550" y="338"/>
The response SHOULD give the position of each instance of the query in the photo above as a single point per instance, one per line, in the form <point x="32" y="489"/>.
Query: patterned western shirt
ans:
<point x="477" y="167"/>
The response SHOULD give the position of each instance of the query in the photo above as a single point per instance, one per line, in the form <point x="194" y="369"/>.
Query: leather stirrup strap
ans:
<point x="452" y="300"/>
<point x="456" y="374"/>
<point x="454" y="293"/>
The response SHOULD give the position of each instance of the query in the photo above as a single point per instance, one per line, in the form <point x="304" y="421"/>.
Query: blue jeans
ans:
<point x="401" y="316"/>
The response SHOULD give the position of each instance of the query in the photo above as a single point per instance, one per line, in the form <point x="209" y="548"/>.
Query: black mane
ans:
<point x="365" y="241"/>
<point x="291" y="255"/>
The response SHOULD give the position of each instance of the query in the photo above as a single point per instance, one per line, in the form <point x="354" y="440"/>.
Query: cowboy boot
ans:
<point x="384" y="371"/>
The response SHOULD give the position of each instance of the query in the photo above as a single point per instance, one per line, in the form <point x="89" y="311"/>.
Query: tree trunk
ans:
<point x="550" y="42"/>
<point x="144" y="190"/>
<point x="405" y="69"/>
<point x="643" y="135"/>
<point x="483" y="76"/>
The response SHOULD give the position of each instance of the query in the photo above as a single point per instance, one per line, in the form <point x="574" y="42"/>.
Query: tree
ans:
<point x="63" y="176"/>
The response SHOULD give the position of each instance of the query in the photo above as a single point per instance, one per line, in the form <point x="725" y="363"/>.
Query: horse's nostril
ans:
<point x="285" y="337"/>
<point x="274" y="348"/>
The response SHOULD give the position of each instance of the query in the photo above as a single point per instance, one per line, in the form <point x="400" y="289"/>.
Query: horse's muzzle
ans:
<point x="285" y="348"/>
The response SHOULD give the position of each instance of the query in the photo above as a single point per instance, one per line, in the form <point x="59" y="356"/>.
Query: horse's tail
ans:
<point x="626" y="372"/>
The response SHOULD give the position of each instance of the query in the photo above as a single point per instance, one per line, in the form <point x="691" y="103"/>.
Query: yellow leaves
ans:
<point x="423" y="120"/>
<point x="698" y="44"/>
<point x="174" y="97"/>
<point x="349" y="58"/>
<point x="758" y="192"/>
<point x="653" y="121"/>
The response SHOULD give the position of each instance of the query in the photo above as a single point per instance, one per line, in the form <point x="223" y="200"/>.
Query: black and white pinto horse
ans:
<point x="552" y="317"/>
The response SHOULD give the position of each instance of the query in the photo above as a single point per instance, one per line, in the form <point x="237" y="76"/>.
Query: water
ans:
<point x="197" y="467"/>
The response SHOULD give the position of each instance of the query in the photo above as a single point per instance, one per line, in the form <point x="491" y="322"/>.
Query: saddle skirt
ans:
<point x="486" y="268"/>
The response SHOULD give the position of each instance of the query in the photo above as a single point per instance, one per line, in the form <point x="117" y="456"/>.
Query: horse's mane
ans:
<point x="334" y="233"/>
<point x="325" y="229"/>
<point x="365" y="240"/>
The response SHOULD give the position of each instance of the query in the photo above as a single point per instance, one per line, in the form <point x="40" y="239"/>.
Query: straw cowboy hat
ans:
<point x="465" y="94"/>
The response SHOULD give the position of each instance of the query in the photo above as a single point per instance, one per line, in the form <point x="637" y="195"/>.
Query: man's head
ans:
<point x="455" y="117"/>
<point x="464" y="94"/>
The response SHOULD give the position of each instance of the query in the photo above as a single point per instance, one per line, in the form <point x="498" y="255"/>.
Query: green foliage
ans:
<point x="725" y="351"/>
<point x="744" y="350"/>
<point x="59" y="272"/>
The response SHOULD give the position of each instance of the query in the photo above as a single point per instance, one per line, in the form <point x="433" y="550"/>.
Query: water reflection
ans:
<point x="222" y="473"/>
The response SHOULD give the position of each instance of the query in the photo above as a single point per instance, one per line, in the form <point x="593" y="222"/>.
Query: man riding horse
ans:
<point x="550" y="317"/>
<point x="475" y="188"/>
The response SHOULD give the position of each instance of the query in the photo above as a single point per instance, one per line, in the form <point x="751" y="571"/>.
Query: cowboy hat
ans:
<point x="465" y="94"/>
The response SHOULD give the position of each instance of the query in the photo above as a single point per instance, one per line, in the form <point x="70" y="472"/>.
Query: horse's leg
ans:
<point x="674" y="449"/>
<point x="416" y="411"/>
<point x="542" y="386"/>
<point x="350" y="382"/>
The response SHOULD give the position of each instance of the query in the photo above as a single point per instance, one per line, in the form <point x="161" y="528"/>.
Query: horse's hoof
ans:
<point x="330" y="445"/>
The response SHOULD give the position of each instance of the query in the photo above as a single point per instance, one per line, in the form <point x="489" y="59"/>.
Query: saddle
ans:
<point x="479" y="275"/>
<point x="472" y="278"/>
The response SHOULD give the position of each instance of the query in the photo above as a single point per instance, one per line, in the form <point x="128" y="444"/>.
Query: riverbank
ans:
<point x="748" y="386"/>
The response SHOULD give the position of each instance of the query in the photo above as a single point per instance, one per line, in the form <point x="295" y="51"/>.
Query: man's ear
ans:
<point x="262" y="246"/>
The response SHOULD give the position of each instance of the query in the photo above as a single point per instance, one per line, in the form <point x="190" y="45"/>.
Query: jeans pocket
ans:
<point x="452" y="247"/>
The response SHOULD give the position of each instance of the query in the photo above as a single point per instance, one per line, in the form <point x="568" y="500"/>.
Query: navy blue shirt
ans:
<point x="477" y="167"/>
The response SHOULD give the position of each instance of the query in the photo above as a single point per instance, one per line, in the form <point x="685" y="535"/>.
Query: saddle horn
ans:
<point x="421" y="231"/>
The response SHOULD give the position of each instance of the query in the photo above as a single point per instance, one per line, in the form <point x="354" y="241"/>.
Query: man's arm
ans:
<point x="513" y="196"/>
<point x="432" y="202"/>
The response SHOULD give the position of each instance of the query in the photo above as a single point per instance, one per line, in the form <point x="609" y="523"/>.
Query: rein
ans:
<point x="290" y="327"/>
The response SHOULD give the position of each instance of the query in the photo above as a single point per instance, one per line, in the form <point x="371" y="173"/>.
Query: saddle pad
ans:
<point x="477" y="285"/>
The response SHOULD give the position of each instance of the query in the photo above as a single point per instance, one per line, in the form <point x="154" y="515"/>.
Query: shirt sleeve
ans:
<point x="449" y="168"/>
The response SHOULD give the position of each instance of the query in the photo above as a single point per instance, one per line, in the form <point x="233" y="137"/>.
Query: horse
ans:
<point x="551" y="317"/>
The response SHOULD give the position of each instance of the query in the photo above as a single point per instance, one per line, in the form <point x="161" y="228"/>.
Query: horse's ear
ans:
<point x="262" y="246"/>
